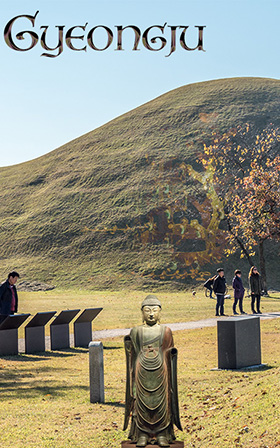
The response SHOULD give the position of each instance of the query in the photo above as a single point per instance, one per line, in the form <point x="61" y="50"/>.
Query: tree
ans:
<point x="247" y="177"/>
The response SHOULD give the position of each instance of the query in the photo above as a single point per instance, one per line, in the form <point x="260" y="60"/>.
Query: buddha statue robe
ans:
<point x="151" y="389"/>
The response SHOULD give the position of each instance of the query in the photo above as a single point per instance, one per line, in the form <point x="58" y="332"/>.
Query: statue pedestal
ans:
<point x="129" y="444"/>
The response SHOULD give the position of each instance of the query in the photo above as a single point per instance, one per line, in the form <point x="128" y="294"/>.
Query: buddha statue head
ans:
<point x="151" y="308"/>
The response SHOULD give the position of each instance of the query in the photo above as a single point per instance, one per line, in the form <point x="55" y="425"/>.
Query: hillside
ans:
<point x="95" y="211"/>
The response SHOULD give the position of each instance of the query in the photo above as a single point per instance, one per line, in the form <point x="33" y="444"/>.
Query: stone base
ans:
<point x="243" y="369"/>
<point x="129" y="444"/>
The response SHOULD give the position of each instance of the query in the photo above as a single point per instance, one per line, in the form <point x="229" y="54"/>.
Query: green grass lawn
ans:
<point x="45" y="397"/>
<point x="121" y="309"/>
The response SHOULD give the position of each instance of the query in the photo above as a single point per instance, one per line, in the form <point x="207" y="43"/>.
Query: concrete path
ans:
<point x="117" y="332"/>
<point x="211" y="322"/>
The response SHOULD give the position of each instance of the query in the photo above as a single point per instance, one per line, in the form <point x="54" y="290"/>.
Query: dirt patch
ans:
<point x="34" y="286"/>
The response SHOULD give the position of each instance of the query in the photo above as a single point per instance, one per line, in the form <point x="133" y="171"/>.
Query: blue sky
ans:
<point x="46" y="102"/>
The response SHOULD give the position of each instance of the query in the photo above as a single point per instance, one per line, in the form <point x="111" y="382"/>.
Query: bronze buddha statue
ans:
<point x="151" y="385"/>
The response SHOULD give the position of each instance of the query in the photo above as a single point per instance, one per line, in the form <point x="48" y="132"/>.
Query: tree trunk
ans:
<point x="241" y="245"/>
<point x="262" y="265"/>
<point x="243" y="249"/>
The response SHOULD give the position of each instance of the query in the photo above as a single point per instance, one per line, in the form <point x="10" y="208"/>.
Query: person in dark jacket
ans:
<point x="238" y="292"/>
<point x="8" y="295"/>
<point x="209" y="285"/>
<point x="255" y="283"/>
<point x="219" y="288"/>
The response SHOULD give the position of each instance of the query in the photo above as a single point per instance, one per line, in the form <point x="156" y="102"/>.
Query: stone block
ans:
<point x="9" y="333"/>
<point x="9" y="342"/>
<point x="239" y="342"/>
<point x="96" y="372"/>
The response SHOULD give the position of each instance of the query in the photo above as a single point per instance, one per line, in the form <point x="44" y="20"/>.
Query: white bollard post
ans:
<point x="96" y="372"/>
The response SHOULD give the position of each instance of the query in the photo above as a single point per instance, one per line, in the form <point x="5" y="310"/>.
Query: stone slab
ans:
<point x="239" y="343"/>
<point x="34" y="339"/>
<point x="83" y="327"/>
<point x="82" y="334"/>
<point x="96" y="372"/>
<point x="12" y="321"/>
<point x="9" y="342"/>
<point x="59" y="336"/>
<point x="40" y="319"/>
<point x="88" y="315"/>
<point x="64" y="317"/>
<point x="129" y="444"/>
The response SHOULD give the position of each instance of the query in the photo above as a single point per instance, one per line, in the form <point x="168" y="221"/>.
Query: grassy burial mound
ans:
<point x="117" y="206"/>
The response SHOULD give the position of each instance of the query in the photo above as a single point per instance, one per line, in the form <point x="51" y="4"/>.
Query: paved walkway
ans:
<point x="211" y="322"/>
<point x="117" y="332"/>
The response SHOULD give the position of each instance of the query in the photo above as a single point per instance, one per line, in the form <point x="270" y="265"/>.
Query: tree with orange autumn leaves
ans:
<point x="246" y="178"/>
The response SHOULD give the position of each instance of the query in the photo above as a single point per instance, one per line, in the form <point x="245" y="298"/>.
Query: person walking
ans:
<point x="238" y="292"/>
<point x="8" y="295"/>
<point x="209" y="285"/>
<point x="219" y="288"/>
<point x="255" y="283"/>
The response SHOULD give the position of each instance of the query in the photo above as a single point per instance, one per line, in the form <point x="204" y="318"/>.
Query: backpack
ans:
<point x="208" y="283"/>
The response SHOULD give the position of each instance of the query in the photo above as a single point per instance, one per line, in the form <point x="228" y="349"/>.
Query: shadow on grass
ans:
<point x="23" y="358"/>
<point x="38" y="391"/>
<point x="261" y="367"/>
<point x="256" y="368"/>
<point x="40" y="356"/>
<point x="16" y="378"/>
<point x="68" y="351"/>
<point x="115" y="404"/>
<point x="112" y="348"/>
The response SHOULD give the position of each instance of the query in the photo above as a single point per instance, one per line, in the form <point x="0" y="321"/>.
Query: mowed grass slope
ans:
<point x="51" y="207"/>
<point x="45" y="397"/>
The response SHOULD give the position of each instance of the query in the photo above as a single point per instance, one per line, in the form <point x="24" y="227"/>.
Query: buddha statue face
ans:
<point x="151" y="314"/>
